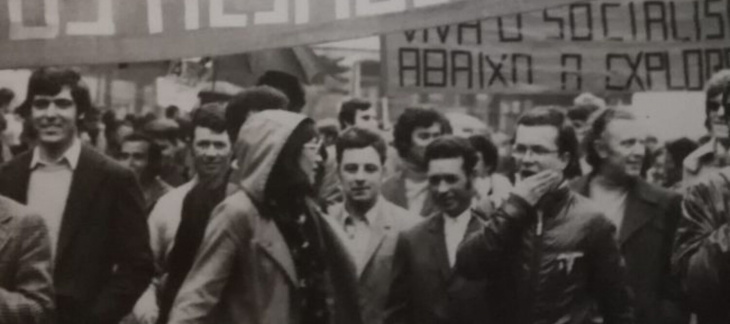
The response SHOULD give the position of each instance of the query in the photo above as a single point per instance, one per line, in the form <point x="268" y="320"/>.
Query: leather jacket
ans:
<point x="557" y="263"/>
<point x="702" y="247"/>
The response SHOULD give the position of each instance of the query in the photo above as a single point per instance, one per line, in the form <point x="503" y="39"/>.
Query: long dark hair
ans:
<point x="287" y="184"/>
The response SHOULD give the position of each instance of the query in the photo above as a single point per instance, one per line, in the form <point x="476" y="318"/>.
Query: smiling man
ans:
<point x="177" y="222"/>
<point x="93" y="207"/>
<point x="425" y="255"/>
<point x="645" y="215"/>
<point x="367" y="224"/>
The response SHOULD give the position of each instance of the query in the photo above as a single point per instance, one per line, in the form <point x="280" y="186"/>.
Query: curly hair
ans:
<point x="411" y="119"/>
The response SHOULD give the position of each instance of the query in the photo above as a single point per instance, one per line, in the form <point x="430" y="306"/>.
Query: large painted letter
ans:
<point x="278" y="15"/>
<point x="370" y="8"/>
<point x="104" y="24"/>
<point x="18" y="31"/>
<point x="219" y="19"/>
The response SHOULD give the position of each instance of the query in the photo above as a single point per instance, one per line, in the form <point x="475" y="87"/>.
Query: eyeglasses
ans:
<point x="43" y="103"/>
<point x="539" y="151"/>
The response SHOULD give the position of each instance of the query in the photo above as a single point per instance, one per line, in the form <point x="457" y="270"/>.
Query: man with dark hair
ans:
<point x="93" y="207"/>
<point x="353" y="112"/>
<point x="267" y="256"/>
<point x="489" y="184"/>
<point x="179" y="219"/>
<point x="358" y="112"/>
<point x="367" y="224"/>
<point x="579" y="116"/>
<point x="416" y="128"/>
<point x="166" y="134"/>
<point x="289" y="85"/>
<point x="701" y="252"/>
<point x="425" y="254"/>
<point x="549" y="254"/>
<point x="645" y="215"/>
<point x="715" y="154"/>
<point x="250" y="101"/>
<point x="141" y="154"/>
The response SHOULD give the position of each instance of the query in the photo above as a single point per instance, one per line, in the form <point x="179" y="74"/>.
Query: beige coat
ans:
<point x="244" y="272"/>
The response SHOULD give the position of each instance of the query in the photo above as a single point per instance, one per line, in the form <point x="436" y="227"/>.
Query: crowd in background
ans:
<point x="246" y="211"/>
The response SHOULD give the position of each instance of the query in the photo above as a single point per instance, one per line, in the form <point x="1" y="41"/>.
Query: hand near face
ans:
<point x="534" y="187"/>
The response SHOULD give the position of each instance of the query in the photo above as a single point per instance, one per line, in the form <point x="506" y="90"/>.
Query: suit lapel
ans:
<point x="84" y="184"/>
<point x="380" y="228"/>
<point x="639" y="212"/>
<point x="438" y="245"/>
<point x="272" y="242"/>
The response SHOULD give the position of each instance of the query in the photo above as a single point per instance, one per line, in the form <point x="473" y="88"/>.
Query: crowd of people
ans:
<point x="247" y="211"/>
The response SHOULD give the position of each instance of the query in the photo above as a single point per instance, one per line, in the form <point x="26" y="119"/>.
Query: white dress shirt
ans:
<point x="454" y="232"/>
<point x="357" y="232"/>
<point x="49" y="186"/>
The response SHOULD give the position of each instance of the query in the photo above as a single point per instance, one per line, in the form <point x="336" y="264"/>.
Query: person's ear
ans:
<point x="601" y="148"/>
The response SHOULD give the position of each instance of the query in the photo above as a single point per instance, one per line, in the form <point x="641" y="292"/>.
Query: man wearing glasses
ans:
<point x="549" y="253"/>
<point x="714" y="154"/>
<point x="701" y="254"/>
<point x="92" y="206"/>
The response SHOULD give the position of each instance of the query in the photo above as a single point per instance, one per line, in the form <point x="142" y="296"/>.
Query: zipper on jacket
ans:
<point x="536" y="264"/>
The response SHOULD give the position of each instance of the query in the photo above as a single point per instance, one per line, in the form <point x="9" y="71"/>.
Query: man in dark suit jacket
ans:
<point x="26" y="289"/>
<point x="92" y="206"/>
<point x="646" y="215"/>
<point x="408" y="188"/>
<point x="425" y="290"/>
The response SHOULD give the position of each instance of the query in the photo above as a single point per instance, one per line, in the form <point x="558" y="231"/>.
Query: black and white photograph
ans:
<point x="364" y="161"/>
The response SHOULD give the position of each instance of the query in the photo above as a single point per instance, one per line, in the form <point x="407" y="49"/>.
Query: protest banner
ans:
<point x="51" y="32"/>
<point x="600" y="46"/>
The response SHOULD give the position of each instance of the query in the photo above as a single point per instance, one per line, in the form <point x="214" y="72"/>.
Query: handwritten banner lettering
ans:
<point x="601" y="46"/>
<point x="52" y="32"/>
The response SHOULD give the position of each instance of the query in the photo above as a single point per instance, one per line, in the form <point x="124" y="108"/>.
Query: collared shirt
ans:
<point x="454" y="232"/>
<point x="357" y="233"/>
<point x="49" y="186"/>
<point x="612" y="201"/>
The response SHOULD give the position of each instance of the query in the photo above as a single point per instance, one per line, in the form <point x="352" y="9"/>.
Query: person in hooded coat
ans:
<point x="267" y="255"/>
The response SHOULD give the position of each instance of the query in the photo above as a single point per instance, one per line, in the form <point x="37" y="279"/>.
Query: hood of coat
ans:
<point x="259" y="144"/>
